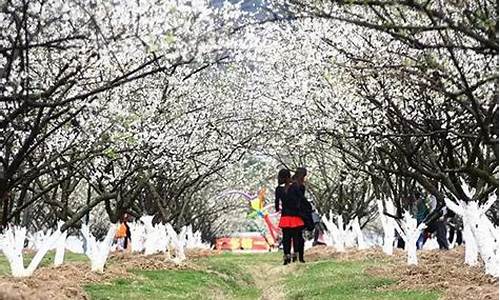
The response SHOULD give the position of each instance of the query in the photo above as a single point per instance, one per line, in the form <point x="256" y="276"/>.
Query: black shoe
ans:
<point x="286" y="260"/>
<point x="294" y="258"/>
<point x="302" y="261"/>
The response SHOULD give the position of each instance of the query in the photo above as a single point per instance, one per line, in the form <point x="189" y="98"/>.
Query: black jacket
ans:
<point x="279" y="194"/>
<point x="290" y="200"/>
<point x="304" y="207"/>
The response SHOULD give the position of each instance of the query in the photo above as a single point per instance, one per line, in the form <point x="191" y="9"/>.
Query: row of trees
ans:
<point x="155" y="107"/>
<point x="400" y="95"/>
<point x="102" y="111"/>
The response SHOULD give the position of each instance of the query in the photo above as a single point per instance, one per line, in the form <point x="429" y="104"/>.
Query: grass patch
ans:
<point x="344" y="280"/>
<point x="221" y="277"/>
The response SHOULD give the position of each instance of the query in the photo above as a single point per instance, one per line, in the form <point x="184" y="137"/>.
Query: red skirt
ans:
<point x="290" y="222"/>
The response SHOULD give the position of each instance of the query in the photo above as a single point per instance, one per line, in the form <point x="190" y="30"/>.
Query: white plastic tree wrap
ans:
<point x="333" y="232"/>
<point x="471" y="250"/>
<point x="178" y="241"/>
<point x="162" y="238"/>
<point x="356" y="229"/>
<point x="74" y="244"/>
<point x="12" y="246"/>
<point x="477" y="233"/>
<point x="342" y="233"/>
<point x="410" y="233"/>
<point x="328" y="234"/>
<point x="98" y="252"/>
<point x="37" y="239"/>
<point x="190" y="238"/>
<point x="137" y="236"/>
<point x="389" y="227"/>
<point x="149" y="243"/>
<point x="156" y="238"/>
<point x="60" y="246"/>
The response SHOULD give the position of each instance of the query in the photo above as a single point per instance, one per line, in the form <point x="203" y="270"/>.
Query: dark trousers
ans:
<point x="293" y="235"/>
<point x="441" y="235"/>
<point x="439" y="227"/>
<point x="453" y="232"/>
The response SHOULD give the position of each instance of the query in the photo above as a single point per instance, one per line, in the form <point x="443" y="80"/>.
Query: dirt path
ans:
<point x="269" y="278"/>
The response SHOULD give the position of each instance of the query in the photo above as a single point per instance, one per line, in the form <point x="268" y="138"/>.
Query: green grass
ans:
<point x="219" y="277"/>
<point x="228" y="276"/>
<point x="346" y="281"/>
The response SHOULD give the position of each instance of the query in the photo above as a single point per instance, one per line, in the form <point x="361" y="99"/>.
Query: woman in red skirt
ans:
<point x="290" y="223"/>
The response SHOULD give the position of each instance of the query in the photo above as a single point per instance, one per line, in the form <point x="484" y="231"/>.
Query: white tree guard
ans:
<point x="36" y="240"/>
<point x="342" y="233"/>
<point x="98" y="252"/>
<point x="410" y="233"/>
<point x="356" y="229"/>
<point x="137" y="236"/>
<point x="193" y="239"/>
<point x="471" y="250"/>
<point x="389" y="226"/>
<point x="162" y="238"/>
<point x="477" y="228"/>
<point x="12" y="244"/>
<point x="179" y="242"/>
<point x="151" y="235"/>
<point x="332" y="235"/>
<point x="350" y="238"/>
<point x="60" y="246"/>
<point x="74" y="244"/>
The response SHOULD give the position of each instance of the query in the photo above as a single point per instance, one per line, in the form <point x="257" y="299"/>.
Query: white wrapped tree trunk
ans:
<point x="179" y="242"/>
<point x="137" y="235"/>
<point x="359" y="234"/>
<point x="37" y="239"/>
<point x="410" y="233"/>
<point x="330" y="231"/>
<point x="477" y="228"/>
<point x="13" y="244"/>
<point x="151" y="235"/>
<point x="334" y="234"/>
<point x="190" y="238"/>
<point x="341" y="240"/>
<point x="74" y="244"/>
<point x="60" y="247"/>
<point x="389" y="227"/>
<point x="98" y="252"/>
<point x="162" y="238"/>
<point x="471" y="250"/>
<point x="12" y="247"/>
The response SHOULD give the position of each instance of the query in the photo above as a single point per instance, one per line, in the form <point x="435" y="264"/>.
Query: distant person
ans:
<point x="435" y="219"/>
<point x="290" y="222"/>
<point x="297" y="192"/>
<point x="123" y="235"/>
<point x="319" y="228"/>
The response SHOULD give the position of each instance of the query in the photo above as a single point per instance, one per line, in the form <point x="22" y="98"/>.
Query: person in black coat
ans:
<point x="297" y="191"/>
<point x="290" y="223"/>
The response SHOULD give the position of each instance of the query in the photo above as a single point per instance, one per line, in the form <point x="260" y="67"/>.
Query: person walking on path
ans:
<point x="123" y="235"/>
<point x="298" y="190"/>
<point x="290" y="223"/>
